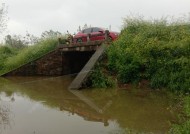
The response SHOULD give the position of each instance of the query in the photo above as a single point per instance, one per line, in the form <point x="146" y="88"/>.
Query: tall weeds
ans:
<point x="152" y="50"/>
<point x="6" y="52"/>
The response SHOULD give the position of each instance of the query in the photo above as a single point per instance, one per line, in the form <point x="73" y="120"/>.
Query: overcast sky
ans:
<point x="36" y="16"/>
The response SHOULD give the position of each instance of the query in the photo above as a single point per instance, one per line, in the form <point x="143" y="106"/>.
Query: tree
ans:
<point x="30" y="39"/>
<point x="14" y="41"/>
<point x="79" y="29"/>
<point x="50" y="34"/>
<point x="19" y="42"/>
<point x="85" y="26"/>
<point x="3" y="18"/>
<point x="5" y="116"/>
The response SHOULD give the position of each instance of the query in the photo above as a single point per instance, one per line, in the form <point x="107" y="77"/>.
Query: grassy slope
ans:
<point x="153" y="51"/>
<point x="5" y="52"/>
<point x="11" y="59"/>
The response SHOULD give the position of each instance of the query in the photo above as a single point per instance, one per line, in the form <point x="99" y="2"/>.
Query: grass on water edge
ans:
<point x="184" y="126"/>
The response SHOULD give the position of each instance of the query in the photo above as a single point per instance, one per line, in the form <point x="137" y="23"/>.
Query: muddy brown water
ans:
<point x="44" y="105"/>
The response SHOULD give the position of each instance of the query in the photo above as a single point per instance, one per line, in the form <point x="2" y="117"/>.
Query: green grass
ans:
<point x="6" y="52"/>
<point x="14" y="59"/>
<point x="183" y="128"/>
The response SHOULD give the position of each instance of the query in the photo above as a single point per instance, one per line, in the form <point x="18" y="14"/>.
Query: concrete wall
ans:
<point x="55" y="63"/>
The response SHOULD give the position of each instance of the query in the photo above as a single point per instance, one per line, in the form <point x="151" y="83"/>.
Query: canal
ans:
<point x="44" y="105"/>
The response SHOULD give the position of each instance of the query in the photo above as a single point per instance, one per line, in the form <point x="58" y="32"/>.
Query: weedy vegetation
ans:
<point x="152" y="50"/>
<point x="156" y="51"/>
<point x="11" y="58"/>
<point x="184" y="127"/>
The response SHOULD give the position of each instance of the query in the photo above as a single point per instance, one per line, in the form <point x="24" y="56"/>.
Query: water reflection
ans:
<point x="101" y="110"/>
<point x="5" y="114"/>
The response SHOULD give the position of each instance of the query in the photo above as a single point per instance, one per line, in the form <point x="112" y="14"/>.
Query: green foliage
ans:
<point x="99" y="78"/>
<point x="187" y="106"/>
<point x="50" y="34"/>
<point x="14" y="42"/>
<point x="183" y="128"/>
<point x="5" y="52"/>
<point x="19" y="42"/>
<point x="25" y="55"/>
<point x="152" y="50"/>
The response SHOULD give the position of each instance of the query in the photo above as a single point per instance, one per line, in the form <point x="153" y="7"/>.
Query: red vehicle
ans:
<point x="94" y="33"/>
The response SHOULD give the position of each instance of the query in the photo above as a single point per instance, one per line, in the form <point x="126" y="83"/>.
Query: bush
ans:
<point x="100" y="79"/>
<point x="152" y="50"/>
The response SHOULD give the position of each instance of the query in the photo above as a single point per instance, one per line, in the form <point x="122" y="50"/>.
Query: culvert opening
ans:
<point x="73" y="62"/>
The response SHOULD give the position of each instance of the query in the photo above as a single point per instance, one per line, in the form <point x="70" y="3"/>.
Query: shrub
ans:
<point x="152" y="50"/>
<point x="100" y="79"/>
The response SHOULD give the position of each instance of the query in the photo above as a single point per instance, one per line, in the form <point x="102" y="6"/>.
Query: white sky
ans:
<point x="36" y="16"/>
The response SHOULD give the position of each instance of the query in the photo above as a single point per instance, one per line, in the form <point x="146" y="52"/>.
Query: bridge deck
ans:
<point x="83" y="46"/>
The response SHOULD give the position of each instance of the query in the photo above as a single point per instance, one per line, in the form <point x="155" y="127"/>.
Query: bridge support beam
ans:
<point x="83" y="74"/>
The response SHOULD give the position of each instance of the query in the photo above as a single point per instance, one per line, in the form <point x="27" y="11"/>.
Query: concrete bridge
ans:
<point x="66" y="59"/>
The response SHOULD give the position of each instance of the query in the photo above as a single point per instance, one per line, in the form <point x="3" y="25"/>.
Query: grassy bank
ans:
<point x="184" y="126"/>
<point x="6" y="52"/>
<point x="11" y="58"/>
<point x="154" y="51"/>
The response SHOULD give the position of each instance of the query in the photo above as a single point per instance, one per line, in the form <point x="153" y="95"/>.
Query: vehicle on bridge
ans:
<point x="94" y="34"/>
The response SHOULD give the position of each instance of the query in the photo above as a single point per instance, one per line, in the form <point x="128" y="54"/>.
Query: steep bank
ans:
<point x="155" y="51"/>
<point x="11" y="58"/>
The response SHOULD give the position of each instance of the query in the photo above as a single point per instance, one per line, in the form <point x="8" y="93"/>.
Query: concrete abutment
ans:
<point x="55" y="63"/>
